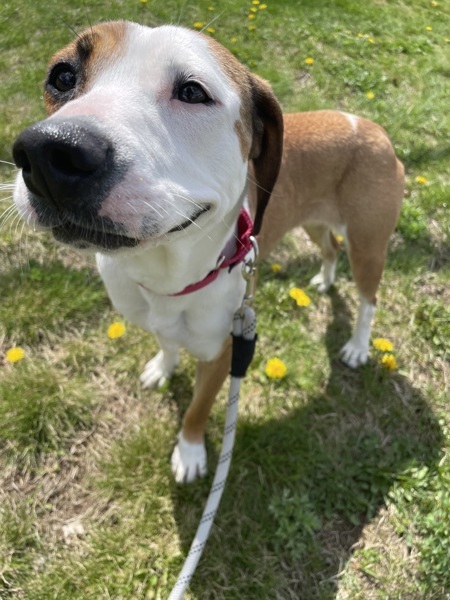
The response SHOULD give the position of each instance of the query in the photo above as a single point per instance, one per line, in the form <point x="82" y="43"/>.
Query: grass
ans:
<point x="339" y="487"/>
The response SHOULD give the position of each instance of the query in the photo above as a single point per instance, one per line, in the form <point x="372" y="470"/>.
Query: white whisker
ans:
<point x="212" y="21"/>
<point x="6" y="215"/>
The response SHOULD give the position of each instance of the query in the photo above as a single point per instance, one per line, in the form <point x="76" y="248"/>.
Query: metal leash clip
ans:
<point x="249" y="268"/>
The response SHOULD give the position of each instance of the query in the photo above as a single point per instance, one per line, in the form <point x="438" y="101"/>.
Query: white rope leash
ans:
<point x="244" y="327"/>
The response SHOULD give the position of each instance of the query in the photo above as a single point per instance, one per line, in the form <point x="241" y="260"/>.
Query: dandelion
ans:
<point x="116" y="330"/>
<point x="383" y="345"/>
<point x="360" y="35"/>
<point x="339" y="239"/>
<point x="251" y="16"/>
<point x="309" y="61"/>
<point x="211" y="8"/>
<point x="234" y="40"/>
<point x="371" y="40"/>
<point x="421" y="179"/>
<point x="300" y="297"/>
<point x="262" y="6"/>
<point x="252" y="27"/>
<point x="143" y="1"/>
<point x="253" y="9"/>
<point x="211" y="30"/>
<point x="275" y="368"/>
<point x="370" y="95"/>
<point x="15" y="354"/>
<point x="434" y="4"/>
<point x="256" y="2"/>
<point x="198" y="25"/>
<point x="388" y="361"/>
<point x="276" y="268"/>
<point x="428" y="28"/>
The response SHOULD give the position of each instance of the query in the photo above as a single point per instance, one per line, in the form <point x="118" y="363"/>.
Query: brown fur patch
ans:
<point x="240" y="78"/>
<point x="245" y="140"/>
<point x="87" y="55"/>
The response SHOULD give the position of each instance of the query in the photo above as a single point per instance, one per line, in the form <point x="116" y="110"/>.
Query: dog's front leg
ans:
<point x="189" y="456"/>
<point x="160" y="368"/>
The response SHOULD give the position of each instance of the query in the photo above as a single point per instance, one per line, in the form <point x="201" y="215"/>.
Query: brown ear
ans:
<point x="267" y="144"/>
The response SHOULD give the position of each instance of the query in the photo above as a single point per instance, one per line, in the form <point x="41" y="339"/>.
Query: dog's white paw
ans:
<point x="158" y="370"/>
<point x="354" y="354"/>
<point x="320" y="283"/>
<point x="325" y="277"/>
<point x="188" y="461"/>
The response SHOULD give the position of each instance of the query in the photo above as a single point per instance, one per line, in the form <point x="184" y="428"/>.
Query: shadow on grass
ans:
<point x="302" y="486"/>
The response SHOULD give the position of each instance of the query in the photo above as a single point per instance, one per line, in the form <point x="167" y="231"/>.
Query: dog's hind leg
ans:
<point x="367" y="269"/>
<point x="189" y="456"/>
<point x="324" y="238"/>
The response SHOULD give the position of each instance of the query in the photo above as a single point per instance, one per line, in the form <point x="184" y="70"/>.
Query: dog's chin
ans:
<point x="83" y="238"/>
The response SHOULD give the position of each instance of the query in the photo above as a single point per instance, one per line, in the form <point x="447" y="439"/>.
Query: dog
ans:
<point x="157" y="144"/>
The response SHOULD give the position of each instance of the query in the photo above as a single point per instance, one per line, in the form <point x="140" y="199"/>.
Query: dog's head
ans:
<point x="148" y="138"/>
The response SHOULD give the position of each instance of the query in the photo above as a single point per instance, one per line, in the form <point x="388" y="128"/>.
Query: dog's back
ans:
<point x="338" y="170"/>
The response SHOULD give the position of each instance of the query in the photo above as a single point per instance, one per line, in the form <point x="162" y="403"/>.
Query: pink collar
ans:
<point x="243" y="247"/>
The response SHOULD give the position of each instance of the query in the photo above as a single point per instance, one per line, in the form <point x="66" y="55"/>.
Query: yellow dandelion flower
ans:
<point x="371" y="40"/>
<point x="253" y="9"/>
<point x="251" y="16"/>
<point x="256" y="2"/>
<point x="143" y="1"/>
<point x="421" y="179"/>
<point x="233" y="39"/>
<point x="370" y="95"/>
<point x="339" y="239"/>
<point x="262" y="6"/>
<point x="434" y="4"/>
<point x="211" y="30"/>
<point x="198" y="25"/>
<point x="383" y="345"/>
<point x="309" y="61"/>
<point x="211" y="8"/>
<point x="116" y="330"/>
<point x="360" y="35"/>
<point x="300" y="297"/>
<point x="428" y="28"/>
<point x="388" y="361"/>
<point x="275" y="368"/>
<point x="15" y="354"/>
<point x="276" y="268"/>
<point x="252" y="27"/>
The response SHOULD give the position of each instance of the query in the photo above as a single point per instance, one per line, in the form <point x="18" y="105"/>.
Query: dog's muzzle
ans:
<point x="70" y="167"/>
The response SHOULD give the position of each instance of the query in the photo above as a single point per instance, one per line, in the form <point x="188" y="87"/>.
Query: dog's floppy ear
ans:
<point x="267" y="144"/>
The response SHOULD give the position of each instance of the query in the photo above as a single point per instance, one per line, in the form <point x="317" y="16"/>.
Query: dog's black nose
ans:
<point x="61" y="160"/>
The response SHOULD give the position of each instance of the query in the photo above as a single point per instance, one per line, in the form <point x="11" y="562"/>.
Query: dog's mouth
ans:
<point x="83" y="237"/>
<point x="190" y="221"/>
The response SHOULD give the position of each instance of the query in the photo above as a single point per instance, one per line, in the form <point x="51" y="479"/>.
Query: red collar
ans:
<point x="243" y="247"/>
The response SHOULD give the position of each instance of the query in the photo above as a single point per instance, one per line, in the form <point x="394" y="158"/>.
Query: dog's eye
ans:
<point x="62" y="78"/>
<point x="192" y="93"/>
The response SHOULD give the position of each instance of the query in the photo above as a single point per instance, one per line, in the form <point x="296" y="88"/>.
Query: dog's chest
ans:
<point x="199" y="321"/>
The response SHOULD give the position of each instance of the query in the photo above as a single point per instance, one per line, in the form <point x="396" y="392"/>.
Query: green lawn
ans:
<point x="340" y="482"/>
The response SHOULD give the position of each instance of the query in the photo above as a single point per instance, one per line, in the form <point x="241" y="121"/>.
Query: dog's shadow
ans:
<point x="303" y="486"/>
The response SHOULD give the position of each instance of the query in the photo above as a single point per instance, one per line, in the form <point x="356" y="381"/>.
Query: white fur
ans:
<point x="188" y="460"/>
<point x="355" y="351"/>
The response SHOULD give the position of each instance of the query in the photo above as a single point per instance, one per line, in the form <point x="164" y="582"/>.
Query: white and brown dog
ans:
<point x="145" y="159"/>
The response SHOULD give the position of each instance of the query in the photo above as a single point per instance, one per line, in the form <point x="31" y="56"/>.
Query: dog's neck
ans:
<point x="170" y="267"/>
